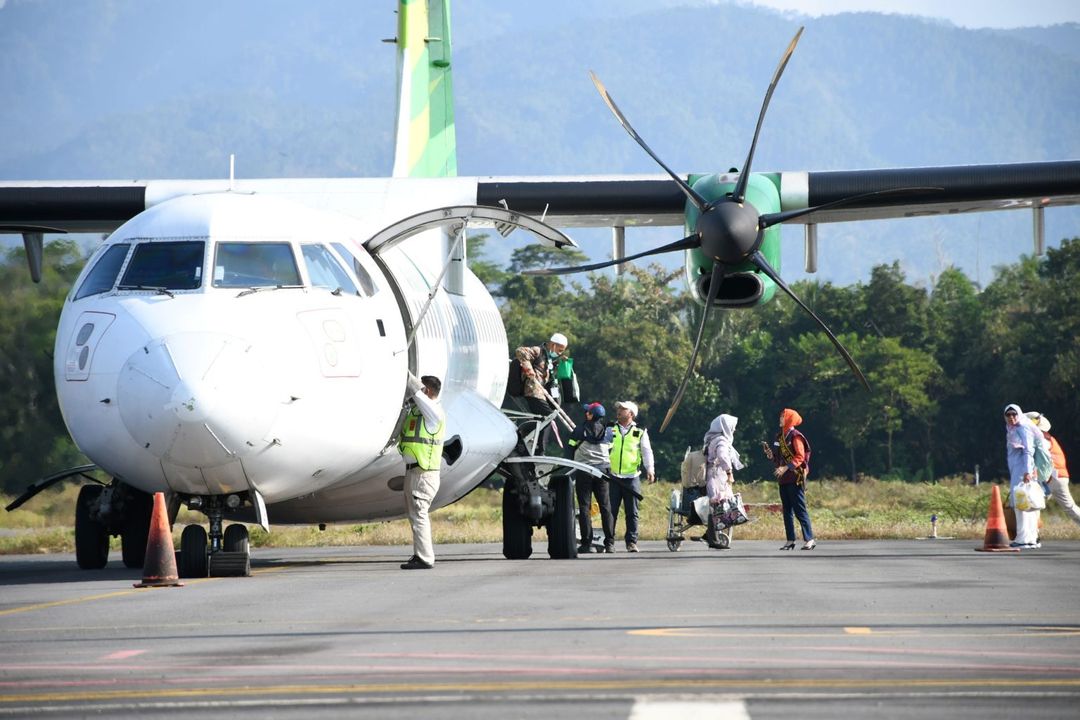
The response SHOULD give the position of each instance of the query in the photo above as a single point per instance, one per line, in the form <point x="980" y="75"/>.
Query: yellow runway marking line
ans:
<point x="118" y="593"/>
<point x="88" y="598"/>
<point x="632" y="685"/>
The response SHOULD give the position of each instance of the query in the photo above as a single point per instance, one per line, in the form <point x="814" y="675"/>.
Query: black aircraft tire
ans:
<point x="91" y="536"/>
<point x="236" y="539"/>
<point x="230" y="564"/>
<point x="135" y="531"/>
<point x="193" y="561"/>
<point x="517" y="534"/>
<point x="562" y="543"/>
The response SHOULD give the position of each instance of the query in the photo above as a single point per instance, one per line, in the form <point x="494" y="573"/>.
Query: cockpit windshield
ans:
<point x="255" y="264"/>
<point x="171" y="265"/>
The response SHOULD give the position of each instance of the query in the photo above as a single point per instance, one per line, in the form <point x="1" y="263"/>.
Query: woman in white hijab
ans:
<point x="1020" y="439"/>
<point x="721" y="458"/>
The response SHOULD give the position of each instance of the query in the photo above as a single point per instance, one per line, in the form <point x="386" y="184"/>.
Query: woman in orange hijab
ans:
<point x="791" y="454"/>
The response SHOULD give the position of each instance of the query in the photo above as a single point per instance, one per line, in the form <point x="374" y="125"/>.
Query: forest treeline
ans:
<point x="942" y="361"/>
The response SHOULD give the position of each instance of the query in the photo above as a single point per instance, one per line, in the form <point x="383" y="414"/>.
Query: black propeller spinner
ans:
<point x="729" y="231"/>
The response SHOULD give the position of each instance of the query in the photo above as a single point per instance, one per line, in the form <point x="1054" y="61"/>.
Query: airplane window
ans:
<point x="101" y="278"/>
<point x="324" y="270"/>
<point x="169" y="265"/>
<point x="255" y="264"/>
<point x="366" y="283"/>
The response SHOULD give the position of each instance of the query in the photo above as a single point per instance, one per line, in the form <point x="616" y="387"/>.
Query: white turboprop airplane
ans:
<point x="244" y="345"/>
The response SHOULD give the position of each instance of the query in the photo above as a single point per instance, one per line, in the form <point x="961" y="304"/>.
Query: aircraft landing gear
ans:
<point x="91" y="534"/>
<point x="102" y="511"/>
<point x="217" y="553"/>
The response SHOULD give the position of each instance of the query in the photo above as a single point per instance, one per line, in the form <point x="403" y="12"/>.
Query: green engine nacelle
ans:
<point x="744" y="285"/>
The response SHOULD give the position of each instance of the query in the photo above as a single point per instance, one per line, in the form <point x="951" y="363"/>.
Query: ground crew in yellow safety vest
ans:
<point x="420" y="443"/>
<point x="630" y="451"/>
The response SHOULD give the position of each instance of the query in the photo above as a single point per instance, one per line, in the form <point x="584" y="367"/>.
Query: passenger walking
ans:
<point x="1059" y="476"/>
<point x="721" y="462"/>
<point x="630" y="451"/>
<point x="420" y="443"/>
<point x="791" y="455"/>
<point x="1020" y="452"/>
<point x="587" y="442"/>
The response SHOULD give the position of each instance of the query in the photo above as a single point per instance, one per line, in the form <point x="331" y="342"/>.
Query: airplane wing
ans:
<point x="569" y="201"/>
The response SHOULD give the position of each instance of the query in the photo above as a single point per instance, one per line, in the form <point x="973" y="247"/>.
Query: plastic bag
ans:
<point x="1028" y="497"/>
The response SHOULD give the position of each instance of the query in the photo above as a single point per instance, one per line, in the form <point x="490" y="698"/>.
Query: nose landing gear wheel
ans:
<point x="193" y="560"/>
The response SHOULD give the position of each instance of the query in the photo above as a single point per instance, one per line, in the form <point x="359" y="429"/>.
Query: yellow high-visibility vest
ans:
<point x="625" y="454"/>
<point x="423" y="445"/>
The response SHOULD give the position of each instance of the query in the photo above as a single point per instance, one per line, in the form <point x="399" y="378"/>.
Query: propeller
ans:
<point x="729" y="231"/>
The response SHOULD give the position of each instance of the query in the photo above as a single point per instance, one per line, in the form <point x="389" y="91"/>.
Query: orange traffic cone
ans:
<point x="159" y="567"/>
<point x="996" y="538"/>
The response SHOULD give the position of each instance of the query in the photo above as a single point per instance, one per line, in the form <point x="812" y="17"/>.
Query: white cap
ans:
<point x="631" y="406"/>
<point x="559" y="339"/>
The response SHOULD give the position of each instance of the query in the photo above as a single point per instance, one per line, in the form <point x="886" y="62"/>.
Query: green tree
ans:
<point x="33" y="439"/>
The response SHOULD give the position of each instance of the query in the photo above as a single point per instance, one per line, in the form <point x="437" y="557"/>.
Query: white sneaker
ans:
<point x="809" y="544"/>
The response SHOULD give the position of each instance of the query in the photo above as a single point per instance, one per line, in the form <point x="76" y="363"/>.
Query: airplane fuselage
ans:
<point x="229" y="343"/>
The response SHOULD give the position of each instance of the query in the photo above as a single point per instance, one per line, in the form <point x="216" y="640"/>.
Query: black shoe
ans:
<point x="415" y="563"/>
<point x="584" y="549"/>
<point x="609" y="549"/>
<point x="789" y="546"/>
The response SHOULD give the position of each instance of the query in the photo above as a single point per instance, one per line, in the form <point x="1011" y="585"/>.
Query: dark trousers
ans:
<point x="794" y="502"/>
<point x="585" y="487"/>
<point x="621" y="496"/>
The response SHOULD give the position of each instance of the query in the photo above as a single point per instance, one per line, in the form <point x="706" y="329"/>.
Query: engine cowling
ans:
<point x="744" y="286"/>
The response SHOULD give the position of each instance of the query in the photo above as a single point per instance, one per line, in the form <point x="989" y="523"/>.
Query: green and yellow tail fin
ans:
<point x="425" y="144"/>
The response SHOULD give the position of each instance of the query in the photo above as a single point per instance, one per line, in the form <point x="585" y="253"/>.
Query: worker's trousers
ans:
<point x="420" y="488"/>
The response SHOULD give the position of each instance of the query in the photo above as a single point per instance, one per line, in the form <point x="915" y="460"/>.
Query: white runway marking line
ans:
<point x="650" y="709"/>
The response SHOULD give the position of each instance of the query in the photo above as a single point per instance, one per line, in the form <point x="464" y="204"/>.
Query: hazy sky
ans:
<point x="965" y="13"/>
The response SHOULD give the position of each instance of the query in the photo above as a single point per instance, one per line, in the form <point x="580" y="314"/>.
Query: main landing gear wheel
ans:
<point x="135" y="531"/>
<point x="193" y="561"/>
<point x="562" y="543"/>
<point x="91" y="535"/>
<point x="517" y="534"/>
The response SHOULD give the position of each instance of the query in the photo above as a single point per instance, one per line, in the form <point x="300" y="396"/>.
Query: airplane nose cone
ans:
<point x="198" y="399"/>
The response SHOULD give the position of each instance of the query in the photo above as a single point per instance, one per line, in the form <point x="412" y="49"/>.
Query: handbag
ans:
<point x="1028" y="497"/>
<point x="730" y="512"/>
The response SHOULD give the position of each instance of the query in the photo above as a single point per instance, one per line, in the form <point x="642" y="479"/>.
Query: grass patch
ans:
<point x="839" y="509"/>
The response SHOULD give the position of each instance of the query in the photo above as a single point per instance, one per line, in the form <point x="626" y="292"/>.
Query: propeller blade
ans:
<point x="699" y="201"/>
<point x="714" y="290"/>
<point x="744" y="176"/>
<point x="766" y="268"/>
<point x="687" y="243"/>
<point x="770" y="219"/>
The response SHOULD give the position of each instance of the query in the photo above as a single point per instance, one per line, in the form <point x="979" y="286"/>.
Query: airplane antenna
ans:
<point x="232" y="167"/>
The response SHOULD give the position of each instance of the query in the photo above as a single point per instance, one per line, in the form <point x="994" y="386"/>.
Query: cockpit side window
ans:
<point x="367" y="284"/>
<point x="325" y="271"/>
<point x="102" y="276"/>
<point x="172" y="265"/>
<point x="255" y="264"/>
